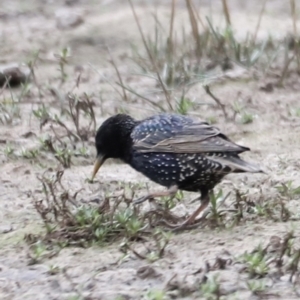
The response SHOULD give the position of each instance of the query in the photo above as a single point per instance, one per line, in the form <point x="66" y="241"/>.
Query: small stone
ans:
<point x="55" y="284"/>
<point x="228" y="288"/>
<point x="6" y="229"/>
<point x="67" y="18"/>
<point x="13" y="74"/>
<point x="146" y="272"/>
<point x="268" y="87"/>
<point x="28" y="134"/>
<point x="89" y="285"/>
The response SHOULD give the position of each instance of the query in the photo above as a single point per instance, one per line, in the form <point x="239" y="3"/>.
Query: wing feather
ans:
<point x="188" y="136"/>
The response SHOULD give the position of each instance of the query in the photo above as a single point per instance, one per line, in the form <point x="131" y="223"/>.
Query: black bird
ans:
<point x="172" y="150"/>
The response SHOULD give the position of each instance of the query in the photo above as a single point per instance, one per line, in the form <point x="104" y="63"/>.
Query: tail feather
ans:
<point x="236" y="164"/>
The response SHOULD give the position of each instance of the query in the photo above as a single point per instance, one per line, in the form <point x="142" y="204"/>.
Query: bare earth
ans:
<point x="103" y="272"/>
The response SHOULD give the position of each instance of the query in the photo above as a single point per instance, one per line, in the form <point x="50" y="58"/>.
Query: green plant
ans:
<point x="287" y="189"/>
<point x="247" y="118"/>
<point x="155" y="295"/>
<point x="256" y="263"/>
<point x="64" y="146"/>
<point x="53" y="269"/>
<point x="8" y="150"/>
<point x="63" y="58"/>
<point x="256" y="286"/>
<point x="184" y="105"/>
<point x="40" y="250"/>
<point x="70" y="223"/>
<point x="211" y="288"/>
<point x="29" y="153"/>
<point x="9" y="111"/>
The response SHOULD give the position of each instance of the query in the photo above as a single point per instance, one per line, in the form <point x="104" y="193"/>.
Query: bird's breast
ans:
<point x="190" y="172"/>
<point x="162" y="168"/>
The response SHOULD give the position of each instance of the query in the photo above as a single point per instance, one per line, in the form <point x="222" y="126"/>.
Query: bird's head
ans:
<point x="113" y="139"/>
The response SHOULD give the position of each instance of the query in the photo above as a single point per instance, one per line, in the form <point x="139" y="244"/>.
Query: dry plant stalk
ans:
<point x="217" y="100"/>
<point x="198" y="16"/>
<point x="167" y="94"/>
<point x="259" y="20"/>
<point x="118" y="74"/>
<point x="294" y="17"/>
<point x="226" y="12"/>
<point x="170" y="40"/>
<point x="194" y="25"/>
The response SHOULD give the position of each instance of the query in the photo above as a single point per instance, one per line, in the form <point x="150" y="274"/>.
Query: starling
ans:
<point x="172" y="150"/>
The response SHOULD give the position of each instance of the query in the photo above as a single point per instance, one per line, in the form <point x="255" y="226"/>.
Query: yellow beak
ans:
<point x="98" y="163"/>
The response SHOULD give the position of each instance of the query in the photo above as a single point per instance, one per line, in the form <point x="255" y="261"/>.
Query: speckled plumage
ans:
<point x="191" y="172"/>
<point x="172" y="150"/>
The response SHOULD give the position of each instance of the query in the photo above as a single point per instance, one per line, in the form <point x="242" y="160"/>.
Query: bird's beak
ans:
<point x="98" y="163"/>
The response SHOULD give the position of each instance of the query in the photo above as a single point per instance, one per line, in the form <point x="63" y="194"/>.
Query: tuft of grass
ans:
<point x="240" y="111"/>
<point x="287" y="190"/>
<point x="154" y="294"/>
<point x="60" y="151"/>
<point x="63" y="57"/>
<point x="247" y="118"/>
<point x="256" y="264"/>
<point x="257" y="287"/>
<point x="29" y="153"/>
<point x="9" y="112"/>
<point x="294" y="112"/>
<point x="69" y="222"/>
<point x="66" y="141"/>
<point x="80" y="109"/>
<point x="184" y="105"/>
<point x="217" y="216"/>
<point x="211" y="288"/>
<point x="9" y="150"/>
<point x="179" y="60"/>
<point x="284" y="258"/>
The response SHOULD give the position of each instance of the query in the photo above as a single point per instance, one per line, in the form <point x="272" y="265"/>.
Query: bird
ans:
<point x="175" y="151"/>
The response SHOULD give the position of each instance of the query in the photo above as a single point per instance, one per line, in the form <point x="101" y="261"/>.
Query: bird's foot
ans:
<point x="187" y="225"/>
<point x="143" y="199"/>
<point x="191" y="222"/>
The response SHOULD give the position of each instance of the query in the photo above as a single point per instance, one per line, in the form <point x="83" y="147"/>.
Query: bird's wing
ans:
<point x="181" y="135"/>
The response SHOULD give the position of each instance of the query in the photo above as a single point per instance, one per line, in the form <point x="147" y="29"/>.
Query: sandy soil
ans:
<point x="103" y="272"/>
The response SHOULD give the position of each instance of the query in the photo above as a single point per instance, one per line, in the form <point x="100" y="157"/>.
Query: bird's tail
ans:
<point x="237" y="165"/>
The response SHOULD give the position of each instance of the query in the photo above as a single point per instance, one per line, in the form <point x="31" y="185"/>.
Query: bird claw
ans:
<point x="141" y="200"/>
<point x="187" y="225"/>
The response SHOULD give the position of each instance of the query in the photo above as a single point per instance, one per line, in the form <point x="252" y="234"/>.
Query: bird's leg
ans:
<point x="195" y="200"/>
<point x="169" y="192"/>
<point x="190" y="220"/>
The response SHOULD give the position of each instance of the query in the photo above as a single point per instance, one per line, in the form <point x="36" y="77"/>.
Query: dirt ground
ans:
<point x="104" y="272"/>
